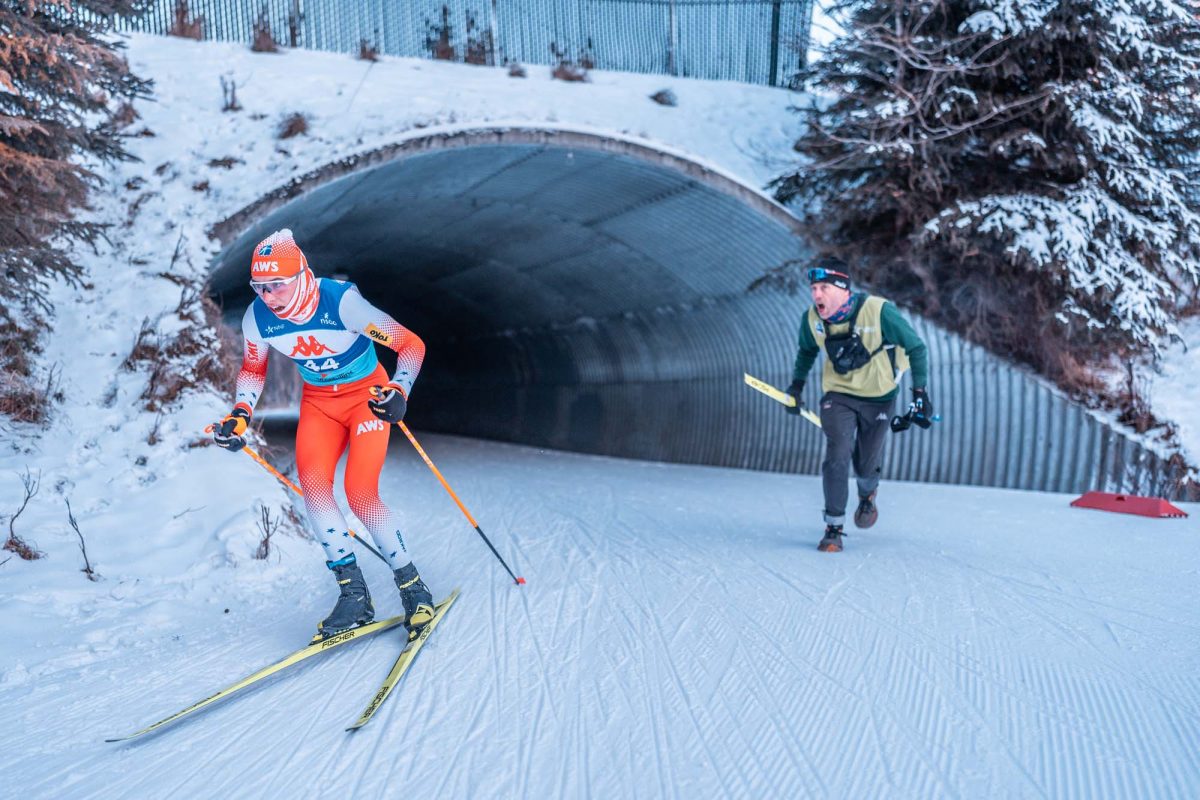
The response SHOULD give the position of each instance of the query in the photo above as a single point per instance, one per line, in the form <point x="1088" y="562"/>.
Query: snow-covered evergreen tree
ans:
<point x="1023" y="170"/>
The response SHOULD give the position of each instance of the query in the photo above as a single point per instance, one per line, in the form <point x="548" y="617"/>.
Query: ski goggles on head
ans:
<point x="823" y="275"/>
<point x="266" y="287"/>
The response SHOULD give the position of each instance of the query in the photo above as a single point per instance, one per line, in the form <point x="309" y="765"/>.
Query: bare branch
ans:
<point x="268" y="526"/>
<point x="15" y="544"/>
<point x="87" y="565"/>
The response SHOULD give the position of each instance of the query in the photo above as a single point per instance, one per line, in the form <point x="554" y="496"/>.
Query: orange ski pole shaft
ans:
<point x="421" y="451"/>
<point x="288" y="483"/>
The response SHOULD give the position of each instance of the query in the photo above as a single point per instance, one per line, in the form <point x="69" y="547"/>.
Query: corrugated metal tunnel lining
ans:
<point x="589" y="293"/>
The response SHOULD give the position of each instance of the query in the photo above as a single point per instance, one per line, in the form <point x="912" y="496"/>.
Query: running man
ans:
<point x="867" y="343"/>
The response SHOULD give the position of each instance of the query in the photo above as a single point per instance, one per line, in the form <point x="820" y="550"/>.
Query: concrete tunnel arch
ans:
<point x="588" y="292"/>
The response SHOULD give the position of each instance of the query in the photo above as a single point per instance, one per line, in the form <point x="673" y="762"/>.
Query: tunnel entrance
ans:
<point x="586" y="292"/>
<point x="575" y="291"/>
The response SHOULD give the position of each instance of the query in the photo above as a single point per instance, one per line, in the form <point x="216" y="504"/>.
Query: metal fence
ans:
<point x="753" y="41"/>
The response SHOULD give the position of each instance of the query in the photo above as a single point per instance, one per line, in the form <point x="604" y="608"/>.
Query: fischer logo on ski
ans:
<point x="403" y="662"/>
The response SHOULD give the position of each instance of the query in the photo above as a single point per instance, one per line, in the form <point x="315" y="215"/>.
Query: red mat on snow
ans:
<point x="1128" y="504"/>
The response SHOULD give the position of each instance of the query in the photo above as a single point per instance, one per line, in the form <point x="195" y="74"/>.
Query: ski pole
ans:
<point x="461" y="507"/>
<point x="288" y="483"/>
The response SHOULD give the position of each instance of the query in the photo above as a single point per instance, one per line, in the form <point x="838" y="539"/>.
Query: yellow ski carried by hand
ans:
<point x="779" y="397"/>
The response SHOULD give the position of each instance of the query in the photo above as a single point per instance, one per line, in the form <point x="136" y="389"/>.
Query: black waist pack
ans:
<point x="846" y="351"/>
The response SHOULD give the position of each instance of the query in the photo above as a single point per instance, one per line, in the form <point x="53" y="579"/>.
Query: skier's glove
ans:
<point x="922" y="408"/>
<point x="388" y="403"/>
<point x="796" y="390"/>
<point x="228" y="433"/>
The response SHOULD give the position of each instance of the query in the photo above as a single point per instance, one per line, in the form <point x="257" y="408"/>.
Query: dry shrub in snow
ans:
<point x="269" y="526"/>
<point x="574" y="71"/>
<point x="292" y="125"/>
<point x="229" y="94"/>
<point x="263" y="40"/>
<point x="480" y="48"/>
<point x="665" y="97"/>
<point x="184" y="25"/>
<point x="437" y="37"/>
<point x="193" y="358"/>
<point x="23" y="397"/>
<point x="15" y="543"/>
<point x="366" y="52"/>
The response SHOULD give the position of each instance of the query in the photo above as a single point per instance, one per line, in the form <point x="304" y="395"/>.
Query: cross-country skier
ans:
<point x="327" y="328"/>
<point x="867" y="343"/>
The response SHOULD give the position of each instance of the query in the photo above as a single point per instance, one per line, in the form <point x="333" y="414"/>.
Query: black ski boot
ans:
<point x="414" y="594"/>
<point x="866" y="513"/>
<point x="353" y="604"/>
<point x="832" y="543"/>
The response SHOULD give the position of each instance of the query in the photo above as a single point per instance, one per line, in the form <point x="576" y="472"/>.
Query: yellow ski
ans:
<point x="352" y="635"/>
<point x="403" y="662"/>
<point x="780" y="397"/>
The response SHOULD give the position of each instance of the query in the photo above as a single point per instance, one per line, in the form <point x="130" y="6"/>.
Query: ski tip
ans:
<point x="520" y="581"/>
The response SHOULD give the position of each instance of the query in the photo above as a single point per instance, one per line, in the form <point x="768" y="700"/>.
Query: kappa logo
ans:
<point x="327" y="320"/>
<point x="310" y="348"/>
<point x="265" y="250"/>
<point x="369" y="426"/>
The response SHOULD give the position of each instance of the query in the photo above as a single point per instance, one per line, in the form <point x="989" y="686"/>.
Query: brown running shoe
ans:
<point x="832" y="543"/>
<point x="866" y="513"/>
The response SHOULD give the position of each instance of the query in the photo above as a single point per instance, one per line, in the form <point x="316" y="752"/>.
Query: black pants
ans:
<point x="855" y="432"/>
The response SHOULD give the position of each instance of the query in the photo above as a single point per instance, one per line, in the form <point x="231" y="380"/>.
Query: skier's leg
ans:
<point x="838" y="422"/>
<point x="368" y="451"/>
<point x="320" y="441"/>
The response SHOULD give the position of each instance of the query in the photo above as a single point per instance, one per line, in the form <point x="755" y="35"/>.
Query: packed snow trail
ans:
<point x="679" y="637"/>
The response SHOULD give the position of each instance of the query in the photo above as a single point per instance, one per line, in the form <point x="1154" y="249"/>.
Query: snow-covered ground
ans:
<point x="1174" y="392"/>
<point x="679" y="635"/>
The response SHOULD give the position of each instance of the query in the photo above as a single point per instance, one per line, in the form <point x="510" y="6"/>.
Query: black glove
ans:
<point x="387" y="403"/>
<point x="922" y="408"/>
<point x="796" y="390"/>
<point x="228" y="433"/>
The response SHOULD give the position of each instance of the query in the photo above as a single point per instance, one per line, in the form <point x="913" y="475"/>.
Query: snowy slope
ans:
<point x="679" y="636"/>
<point x="1174" y="392"/>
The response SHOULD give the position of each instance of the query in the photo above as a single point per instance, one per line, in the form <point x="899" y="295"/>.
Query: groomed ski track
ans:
<point x="679" y="637"/>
